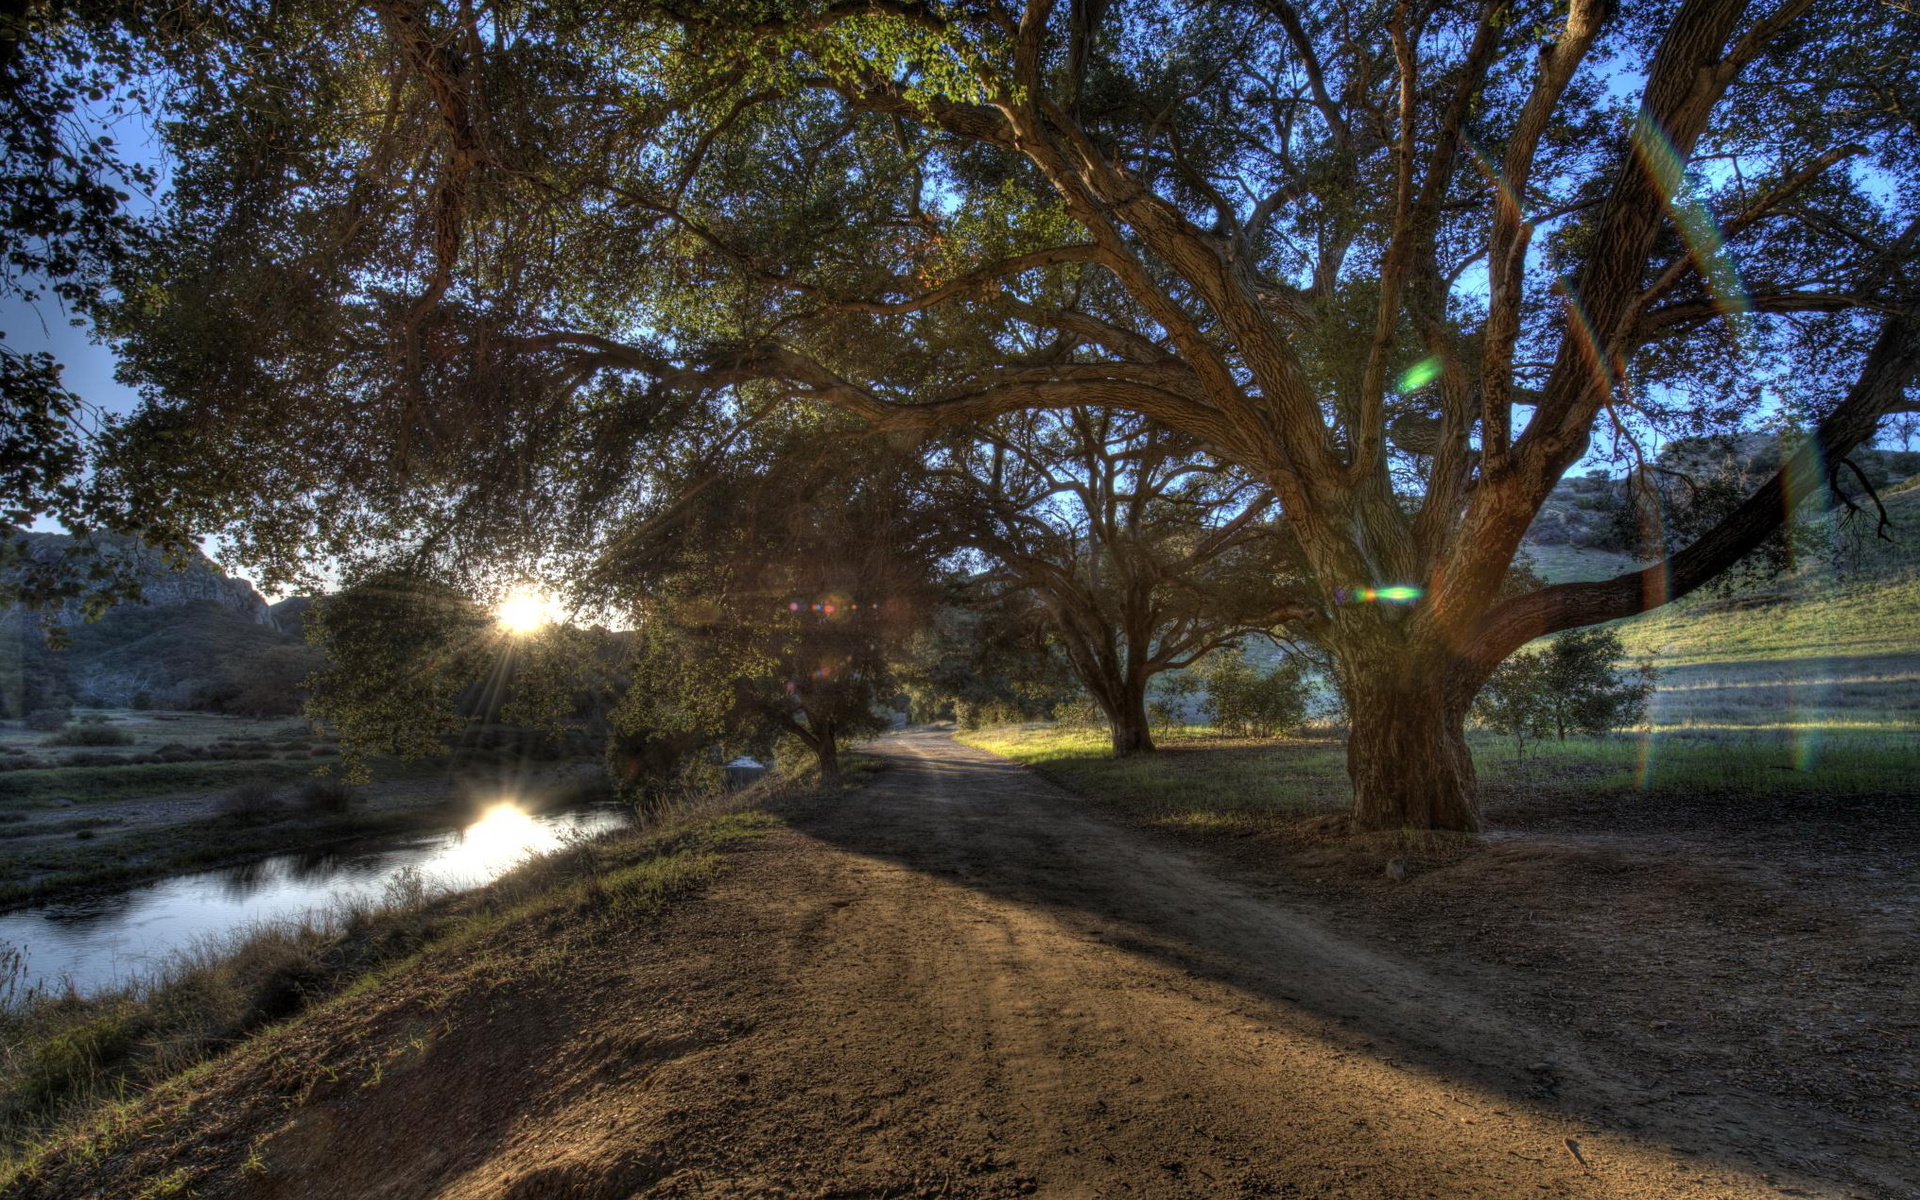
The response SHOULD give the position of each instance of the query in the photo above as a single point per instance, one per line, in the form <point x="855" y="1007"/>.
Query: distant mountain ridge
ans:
<point x="162" y="585"/>
<point x="197" y="638"/>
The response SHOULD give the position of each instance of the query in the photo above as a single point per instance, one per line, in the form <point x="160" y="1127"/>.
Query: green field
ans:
<point x="1802" y="691"/>
<point x="1835" y="645"/>
<point x="1204" y="784"/>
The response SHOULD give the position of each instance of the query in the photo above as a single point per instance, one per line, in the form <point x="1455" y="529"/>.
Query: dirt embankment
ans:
<point x="955" y="982"/>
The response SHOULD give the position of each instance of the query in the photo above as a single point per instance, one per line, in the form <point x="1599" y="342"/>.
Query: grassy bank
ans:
<point x="1203" y="783"/>
<point x="108" y="782"/>
<point x="1862" y="619"/>
<point x="74" y="1071"/>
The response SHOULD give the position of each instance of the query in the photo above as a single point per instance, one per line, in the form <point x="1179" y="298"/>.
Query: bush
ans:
<point x="971" y="714"/>
<point x="1169" y="697"/>
<point x="46" y="720"/>
<point x="89" y="733"/>
<point x="1243" y="701"/>
<point x="1081" y="711"/>
<point x="328" y="796"/>
<point x="1570" y="686"/>
<point x="250" y="801"/>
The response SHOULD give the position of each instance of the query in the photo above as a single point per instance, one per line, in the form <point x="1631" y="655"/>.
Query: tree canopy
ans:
<point x="1405" y="262"/>
<point x="1145" y="553"/>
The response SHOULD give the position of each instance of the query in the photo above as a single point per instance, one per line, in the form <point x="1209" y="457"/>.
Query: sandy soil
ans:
<point x="957" y="982"/>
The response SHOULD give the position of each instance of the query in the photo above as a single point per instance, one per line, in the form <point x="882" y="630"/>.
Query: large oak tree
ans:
<point x="1144" y="554"/>
<point x="1403" y="260"/>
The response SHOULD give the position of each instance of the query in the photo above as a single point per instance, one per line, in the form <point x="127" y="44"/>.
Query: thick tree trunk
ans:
<point x="1407" y="752"/>
<point x="826" y="752"/>
<point x="1128" y="717"/>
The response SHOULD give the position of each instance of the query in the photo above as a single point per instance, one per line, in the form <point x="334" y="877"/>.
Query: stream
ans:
<point x="101" y="941"/>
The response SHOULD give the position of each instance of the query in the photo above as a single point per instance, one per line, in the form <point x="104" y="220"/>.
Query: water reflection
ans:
<point x="101" y="940"/>
<point x="237" y="883"/>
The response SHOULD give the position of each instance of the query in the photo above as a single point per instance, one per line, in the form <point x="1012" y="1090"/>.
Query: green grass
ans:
<point x="1210" y="785"/>
<point x="1867" y="619"/>
<point x="1194" y="781"/>
<point x="1867" y="693"/>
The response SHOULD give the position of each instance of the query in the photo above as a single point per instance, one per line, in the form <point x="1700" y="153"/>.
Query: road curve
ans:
<point x="963" y="983"/>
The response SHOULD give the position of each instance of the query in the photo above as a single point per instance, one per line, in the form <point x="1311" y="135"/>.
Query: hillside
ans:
<point x="1585" y="513"/>
<point x="1836" y="643"/>
<point x="196" y="639"/>
<point x="1855" y="595"/>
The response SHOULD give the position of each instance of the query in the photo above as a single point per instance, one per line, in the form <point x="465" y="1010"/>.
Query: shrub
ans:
<point x="249" y="801"/>
<point x="88" y="733"/>
<point x="971" y="714"/>
<point x="1569" y="686"/>
<point x="1242" y="700"/>
<point x="1081" y="711"/>
<point x="328" y="796"/>
<point x="46" y="720"/>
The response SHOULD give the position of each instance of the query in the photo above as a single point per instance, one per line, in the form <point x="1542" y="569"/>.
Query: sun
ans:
<point x="524" y="610"/>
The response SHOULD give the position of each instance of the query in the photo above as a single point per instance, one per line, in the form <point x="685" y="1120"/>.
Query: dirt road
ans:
<point x="956" y="982"/>
<point x="960" y="983"/>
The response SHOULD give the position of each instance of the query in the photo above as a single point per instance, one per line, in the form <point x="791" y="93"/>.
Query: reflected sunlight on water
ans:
<point x="96" y="941"/>
<point x="504" y="835"/>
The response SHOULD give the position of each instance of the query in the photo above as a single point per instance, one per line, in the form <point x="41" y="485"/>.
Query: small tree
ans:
<point x="1243" y="700"/>
<point x="1512" y="702"/>
<point x="401" y="646"/>
<point x="1568" y="686"/>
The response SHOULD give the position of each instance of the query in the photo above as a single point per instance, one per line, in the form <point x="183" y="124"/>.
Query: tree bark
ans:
<point x="1127" y="715"/>
<point x="826" y="752"/>
<point x="1407" y="750"/>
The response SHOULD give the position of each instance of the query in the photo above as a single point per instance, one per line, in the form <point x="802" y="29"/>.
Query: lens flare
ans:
<point x="1812" y="690"/>
<point x="1705" y="242"/>
<point x="1419" y="375"/>
<point x="1604" y="368"/>
<point x="1397" y="593"/>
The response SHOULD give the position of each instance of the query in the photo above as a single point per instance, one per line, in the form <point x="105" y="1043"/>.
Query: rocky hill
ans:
<point x="196" y="638"/>
<point x="162" y="584"/>
<point x="1584" y="511"/>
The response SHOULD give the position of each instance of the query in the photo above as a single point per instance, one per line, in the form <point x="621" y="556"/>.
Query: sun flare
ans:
<point x="523" y="611"/>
